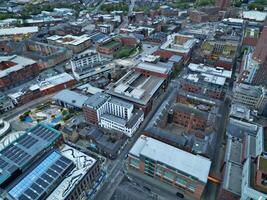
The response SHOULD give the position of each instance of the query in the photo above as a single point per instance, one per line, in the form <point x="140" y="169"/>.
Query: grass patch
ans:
<point x="111" y="44"/>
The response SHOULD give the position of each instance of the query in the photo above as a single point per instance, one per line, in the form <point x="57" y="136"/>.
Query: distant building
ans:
<point x="254" y="15"/>
<point x="158" y="69"/>
<point x="223" y="4"/>
<point x="44" y="54"/>
<point x="180" y="44"/>
<point x="206" y="80"/>
<point x="18" y="33"/>
<point x="105" y="28"/>
<point x="15" y="70"/>
<point x="254" y="97"/>
<point x="112" y="113"/>
<point x="75" y="43"/>
<point x="222" y="53"/>
<point x="89" y="65"/>
<point x="169" y="166"/>
<point x="251" y="36"/>
<point x="108" y="46"/>
<point x="260" y="58"/>
<point x="198" y="16"/>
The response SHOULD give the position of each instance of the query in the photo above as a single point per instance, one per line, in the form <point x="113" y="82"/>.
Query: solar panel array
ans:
<point x="18" y="154"/>
<point x="42" y="178"/>
<point x="44" y="133"/>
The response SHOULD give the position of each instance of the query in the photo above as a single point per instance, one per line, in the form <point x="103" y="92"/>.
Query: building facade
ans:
<point x="169" y="166"/>
<point x="16" y="70"/>
<point x="112" y="113"/>
<point x="254" y="97"/>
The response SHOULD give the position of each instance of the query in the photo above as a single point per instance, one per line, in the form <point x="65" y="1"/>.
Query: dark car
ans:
<point x="180" y="195"/>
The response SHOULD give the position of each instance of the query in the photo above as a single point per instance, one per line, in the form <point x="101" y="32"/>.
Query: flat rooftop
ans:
<point x="10" y="64"/>
<point x="20" y="152"/>
<point x="187" y="163"/>
<point x="255" y="15"/>
<point x="70" y="97"/>
<point x="18" y="30"/>
<point x="217" y="71"/>
<point x="136" y="87"/>
<point x="240" y="111"/>
<point x="251" y="90"/>
<point x="83" y="163"/>
<point x="233" y="178"/>
<point x="179" y="43"/>
<point x="69" y="39"/>
<point x="42" y="177"/>
<point x="201" y="78"/>
<point x="154" y="67"/>
<point x="110" y="44"/>
<point x="97" y="100"/>
<point x="54" y="80"/>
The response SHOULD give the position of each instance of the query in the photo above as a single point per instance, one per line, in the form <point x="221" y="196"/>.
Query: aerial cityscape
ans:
<point x="133" y="99"/>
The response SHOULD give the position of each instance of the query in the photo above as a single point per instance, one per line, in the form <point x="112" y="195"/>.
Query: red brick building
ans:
<point x="260" y="56"/>
<point x="198" y="16"/>
<point x="15" y="70"/>
<point x="190" y="118"/>
<point x="223" y="4"/>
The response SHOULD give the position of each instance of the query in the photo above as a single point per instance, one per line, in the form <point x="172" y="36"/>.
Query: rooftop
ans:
<point x="189" y="109"/>
<point x="9" y="64"/>
<point x="83" y="163"/>
<point x="54" y="80"/>
<point x="179" y="43"/>
<point x="241" y="112"/>
<point x="136" y="87"/>
<point x="255" y="15"/>
<point x="111" y="44"/>
<point x="42" y="177"/>
<point x="97" y="100"/>
<point x="193" y="165"/>
<point x="70" y="97"/>
<point x="154" y="67"/>
<point x="202" y="78"/>
<point x="201" y="68"/>
<point x="255" y="91"/>
<point x="18" y="30"/>
<point x="233" y="178"/>
<point x="20" y="152"/>
<point x="69" y="39"/>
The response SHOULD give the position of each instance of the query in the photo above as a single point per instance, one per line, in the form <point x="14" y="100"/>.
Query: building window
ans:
<point x="181" y="182"/>
<point x="168" y="175"/>
<point x="192" y="187"/>
<point x="134" y="163"/>
<point x="159" y="171"/>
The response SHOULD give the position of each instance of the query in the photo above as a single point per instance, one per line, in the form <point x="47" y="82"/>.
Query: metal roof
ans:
<point x="22" y="151"/>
